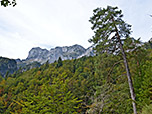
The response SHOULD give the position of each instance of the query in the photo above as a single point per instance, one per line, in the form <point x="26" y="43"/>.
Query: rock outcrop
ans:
<point x="66" y="52"/>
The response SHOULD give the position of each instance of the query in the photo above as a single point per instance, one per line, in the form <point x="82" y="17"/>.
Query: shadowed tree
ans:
<point x="1" y="77"/>
<point x="110" y="31"/>
<point x="59" y="63"/>
<point x="5" y="3"/>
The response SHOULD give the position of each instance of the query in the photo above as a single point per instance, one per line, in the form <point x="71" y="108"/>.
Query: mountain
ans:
<point x="38" y="56"/>
<point x="66" y="52"/>
<point x="89" y="52"/>
<point x="7" y="66"/>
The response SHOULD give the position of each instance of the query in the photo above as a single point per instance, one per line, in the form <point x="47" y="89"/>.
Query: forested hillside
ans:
<point x="7" y="66"/>
<point x="90" y="85"/>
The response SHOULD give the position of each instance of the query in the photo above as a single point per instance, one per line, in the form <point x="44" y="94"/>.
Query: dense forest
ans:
<point x="88" y="85"/>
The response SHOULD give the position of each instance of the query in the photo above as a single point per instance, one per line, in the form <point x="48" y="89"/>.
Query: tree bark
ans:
<point x="127" y="70"/>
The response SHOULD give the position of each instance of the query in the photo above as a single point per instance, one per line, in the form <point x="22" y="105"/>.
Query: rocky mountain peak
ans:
<point x="37" y="53"/>
<point x="66" y="52"/>
<point x="38" y="56"/>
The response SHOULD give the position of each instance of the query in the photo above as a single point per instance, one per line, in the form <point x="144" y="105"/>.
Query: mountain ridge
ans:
<point x="37" y="54"/>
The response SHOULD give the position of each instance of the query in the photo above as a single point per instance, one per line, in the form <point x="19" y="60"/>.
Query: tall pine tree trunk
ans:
<point x="129" y="77"/>
<point x="127" y="70"/>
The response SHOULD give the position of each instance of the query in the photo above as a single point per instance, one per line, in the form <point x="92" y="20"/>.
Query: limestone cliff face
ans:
<point x="89" y="52"/>
<point x="37" y="54"/>
<point x="65" y="52"/>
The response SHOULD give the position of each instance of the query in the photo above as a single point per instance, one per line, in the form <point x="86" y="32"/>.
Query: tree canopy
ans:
<point x="110" y="32"/>
<point x="6" y="3"/>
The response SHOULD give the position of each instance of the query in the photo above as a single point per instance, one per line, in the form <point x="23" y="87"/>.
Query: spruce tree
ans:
<point x="110" y="31"/>
<point x="59" y="63"/>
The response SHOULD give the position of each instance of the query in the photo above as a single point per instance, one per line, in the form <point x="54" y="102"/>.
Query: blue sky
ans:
<point x="51" y="23"/>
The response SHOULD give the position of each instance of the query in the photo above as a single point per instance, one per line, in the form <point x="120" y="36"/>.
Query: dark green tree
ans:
<point x="59" y="63"/>
<point x="148" y="45"/>
<point x="110" y="31"/>
<point x="7" y="75"/>
<point x="1" y="77"/>
<point x="5" y="3"/>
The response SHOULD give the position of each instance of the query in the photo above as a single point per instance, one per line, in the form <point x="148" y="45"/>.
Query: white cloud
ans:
<point x="51" y="23"/>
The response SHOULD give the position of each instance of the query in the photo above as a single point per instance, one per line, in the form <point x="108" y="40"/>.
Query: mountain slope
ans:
<point x="7" y="65"/>
<point x="78" y="86"/>
<point x="38" y="56"/>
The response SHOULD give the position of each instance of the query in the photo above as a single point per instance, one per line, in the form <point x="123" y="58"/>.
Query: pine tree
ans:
<point x="110" y="31"/>
<point x="59" y="63"/>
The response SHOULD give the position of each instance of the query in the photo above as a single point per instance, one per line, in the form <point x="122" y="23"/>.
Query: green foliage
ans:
<point x="5" y="3"/>
<point x="147" y="109"/>
<point x="112" y="92"/>
<point x="86" y="85"/>
<point x="59" y="63"/>
<point x="111" y="37"/>
<point x="148" y="45"/>
<point x="145" y="90"/>
<point x="49" y="89"/>
<point x="1" y="78"/>
<point x="107" y="23"/>
<point x="52" y="99"/>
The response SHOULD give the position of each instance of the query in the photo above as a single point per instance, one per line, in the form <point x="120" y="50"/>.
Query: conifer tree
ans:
<point x="110" y="31"/>
<point x="59" y="63"/>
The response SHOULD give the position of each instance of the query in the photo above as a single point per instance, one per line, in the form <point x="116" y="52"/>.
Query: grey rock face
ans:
<point x="65" y="52"/>
<point x="89" y="52"/>
<point x="37" y="54"/>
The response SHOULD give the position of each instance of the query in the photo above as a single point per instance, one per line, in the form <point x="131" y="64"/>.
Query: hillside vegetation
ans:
<point x="116" y="80"/>
<point x="90" y="85"/>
